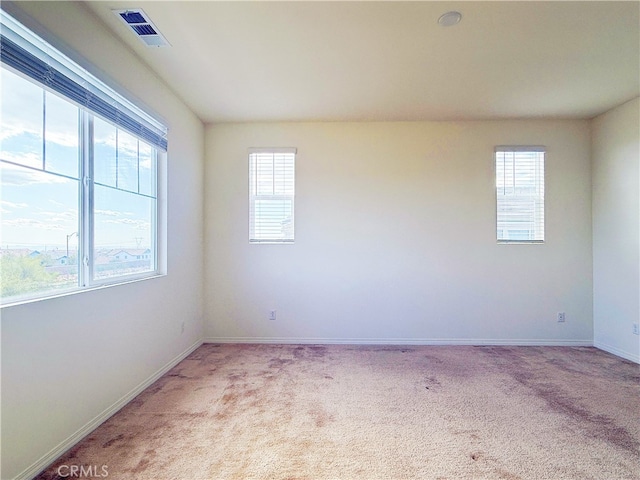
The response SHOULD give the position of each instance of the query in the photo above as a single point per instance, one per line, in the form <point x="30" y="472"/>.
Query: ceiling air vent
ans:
<point x="145" y="30"/>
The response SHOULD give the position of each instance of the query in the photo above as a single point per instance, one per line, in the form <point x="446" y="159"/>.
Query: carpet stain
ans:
<point x="431" y="382"/>
<point x="473" y="434"/>
<point x="502" y="474"/>
<point x="311" y="352"/>
<point x="235" y="376"/>
<point x="230" y="398"/>
<point x="534" y="378"/>
<point x="321" y="417"/>
<point x="203" y="387"/>
<point x="598" y="426"/>
<point x="144" y="461"/>
<point x="110" y="442"/>
<point x="278" y="363"/>
<point x="498" y="471"/>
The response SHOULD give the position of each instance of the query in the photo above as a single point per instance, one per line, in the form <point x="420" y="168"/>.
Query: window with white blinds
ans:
<point x="79" y="170"/>
<point x="271" y="195"/>
<point x="520" y="194"/>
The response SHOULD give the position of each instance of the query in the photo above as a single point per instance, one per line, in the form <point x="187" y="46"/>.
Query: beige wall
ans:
<point x="395" y="237"/>
<point x="68" y="362"/>
<point x="616" y="229"/>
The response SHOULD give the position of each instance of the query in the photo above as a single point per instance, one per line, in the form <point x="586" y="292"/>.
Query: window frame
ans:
<point x="541" y="180"/>
<point x="254" y="197"/>
<point x="130" y="118"/>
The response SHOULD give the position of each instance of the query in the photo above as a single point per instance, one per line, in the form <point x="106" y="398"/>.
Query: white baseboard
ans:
<point x="44" y="461"/>
<point x="634" y="357"/>
<point x="401" y="341"/>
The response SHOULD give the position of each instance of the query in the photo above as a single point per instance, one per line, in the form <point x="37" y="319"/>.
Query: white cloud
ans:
<point x="15" y="175"/>
<point x="21" y="106"/>
<point x="111" y="213"/>
<point x="145" y="162"/>
<point x="136" y="223"/>
<point x="64" y="139"/>
<point x="29" y="159"/>
<point x="12" y="126"/>
<point x="107" y="213"/>
<point x="66" y="215"/>
<point x="13" y="204"/>
<point x="32" y="223"/>
<point x="22" y="112"/>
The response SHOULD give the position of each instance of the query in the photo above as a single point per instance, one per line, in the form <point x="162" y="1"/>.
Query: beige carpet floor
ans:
<point x="376" y="412"/>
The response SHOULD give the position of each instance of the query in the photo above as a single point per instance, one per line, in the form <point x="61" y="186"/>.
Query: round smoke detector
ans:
<point x="449" y="19"/>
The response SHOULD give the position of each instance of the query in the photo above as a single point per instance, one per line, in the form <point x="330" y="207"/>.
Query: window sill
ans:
<point x="76" y="291"/>
<point x="520" y="242"/>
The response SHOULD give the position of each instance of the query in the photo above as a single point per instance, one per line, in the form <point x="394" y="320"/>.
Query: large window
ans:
<point x="271" y="195"/>
<point x="78" y="175"/>
<point x="520" y="194"/>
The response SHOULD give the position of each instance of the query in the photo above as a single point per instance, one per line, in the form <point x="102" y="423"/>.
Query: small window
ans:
<point x="520" y="194"/>
<point x="271" y="195"/>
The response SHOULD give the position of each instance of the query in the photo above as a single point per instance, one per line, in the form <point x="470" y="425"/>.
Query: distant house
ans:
<point x="122" y="260"/>
<point x="63" y="260"/>
<point x="18" y="252"/>
<point x="131" y="255"/>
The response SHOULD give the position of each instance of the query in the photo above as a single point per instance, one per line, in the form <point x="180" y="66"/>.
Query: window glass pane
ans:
<point x="61" y="136"/>
<point x="264" y="174"/>
<point x="147" y="171"/>
<point x="520" y="195"/>
<point x="271" y="197"/>
<point x="21" y="114"/>
<point x="273" y="219"/>
<point x="127" y="161"/>
<point x="283" y="174"/>
<point x="39" y="252"/>
<point x="104" y="151"/>
<point x="124" y="225"/>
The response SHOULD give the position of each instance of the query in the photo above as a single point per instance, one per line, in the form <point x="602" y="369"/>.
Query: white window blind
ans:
<point x="520" y="194"/>
<point x="271" y="195"/>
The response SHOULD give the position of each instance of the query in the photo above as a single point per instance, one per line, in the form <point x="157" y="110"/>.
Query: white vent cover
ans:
<point x="145" y="30"/>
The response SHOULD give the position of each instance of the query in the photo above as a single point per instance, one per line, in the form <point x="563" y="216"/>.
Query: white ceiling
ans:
<point x="298" y="61"/>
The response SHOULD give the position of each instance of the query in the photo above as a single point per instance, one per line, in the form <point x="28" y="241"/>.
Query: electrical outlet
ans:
<point x="561" y="317"/>
<point x="272" y="314"/>
<point x="636" y="329"/>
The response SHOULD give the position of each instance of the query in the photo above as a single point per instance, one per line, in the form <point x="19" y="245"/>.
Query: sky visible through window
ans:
<point x="38" y="209"/>
<point x="39" y="205"/>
